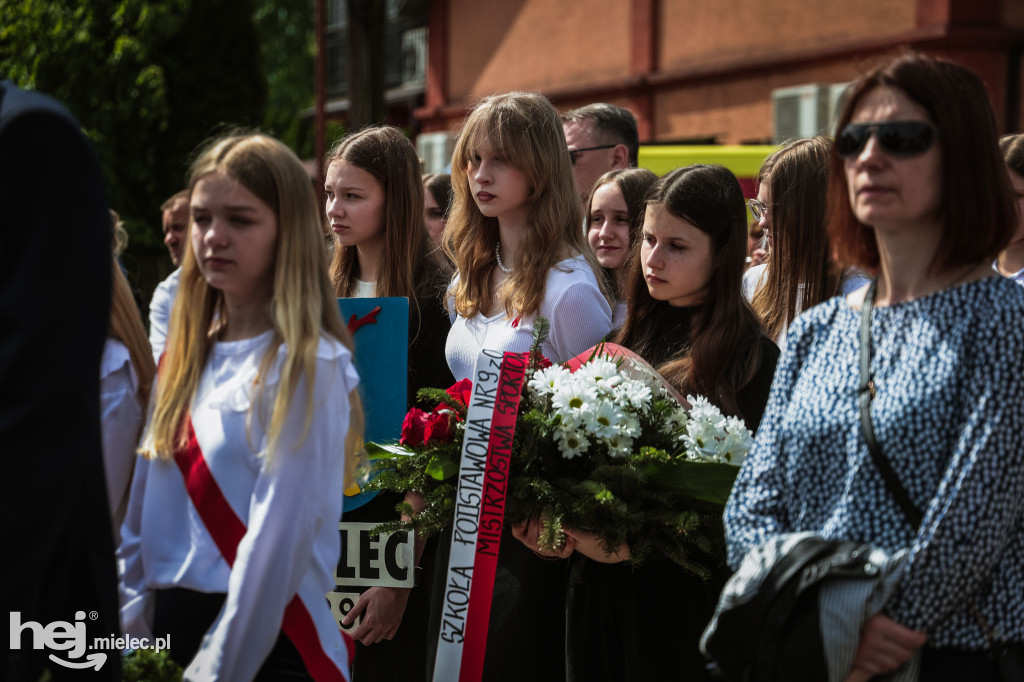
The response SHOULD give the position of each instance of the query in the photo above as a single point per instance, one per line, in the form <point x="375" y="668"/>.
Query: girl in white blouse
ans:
<point x="516" y="237"/>
<point x="231" y="539"/>
<point x="126" y="375"/>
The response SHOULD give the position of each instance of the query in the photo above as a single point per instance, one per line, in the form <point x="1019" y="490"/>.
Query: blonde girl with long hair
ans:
<point x="126" y="375"/>
<point x="231" y="539"/>
<point x="374" y="204"/>
<point x="516" y="238"/>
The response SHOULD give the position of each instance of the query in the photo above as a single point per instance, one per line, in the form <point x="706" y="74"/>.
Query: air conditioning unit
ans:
<point x="414" y="57"/>
<point x="837" y="99"/>
<point x="436" y="151"/>
<point x="802" y="111"/>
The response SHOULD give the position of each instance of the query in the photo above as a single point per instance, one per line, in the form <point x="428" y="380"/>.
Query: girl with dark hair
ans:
<point x="687" y="316"/>
<point x="918" y="375"/>
<point x="375" y="207"/>
<point x="437" y="198"/>
<point x="790" y="209"/>
<point x="688" y="319"/>
<point x="615" y="213"/>
<point x="1010" y="262"/>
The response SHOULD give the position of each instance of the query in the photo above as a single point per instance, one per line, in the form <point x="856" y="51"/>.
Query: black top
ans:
<point x="672" y="328"/>
<point x="404" y="657"/>
<point x="626" y="623"/>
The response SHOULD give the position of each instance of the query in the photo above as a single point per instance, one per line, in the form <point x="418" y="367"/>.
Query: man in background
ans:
<point x="175" y="226"/>
<point x="601" y="137"/>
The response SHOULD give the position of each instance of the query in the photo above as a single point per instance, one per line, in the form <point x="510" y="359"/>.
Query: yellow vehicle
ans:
<point x="743" y="160"/>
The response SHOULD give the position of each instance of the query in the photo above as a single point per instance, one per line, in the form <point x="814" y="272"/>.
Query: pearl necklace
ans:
<point x="497" y="257"/>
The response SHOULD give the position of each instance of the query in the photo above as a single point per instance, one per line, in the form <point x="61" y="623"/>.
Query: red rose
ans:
<point x="461" y="391"/>
<point x="412" y="427"/>
<point x="438" y="428"/>
<point x="543" y="363"/>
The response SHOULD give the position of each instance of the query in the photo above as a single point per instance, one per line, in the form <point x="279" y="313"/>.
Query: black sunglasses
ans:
<point x="574" y="154"/>
<point x="899" y="138"/>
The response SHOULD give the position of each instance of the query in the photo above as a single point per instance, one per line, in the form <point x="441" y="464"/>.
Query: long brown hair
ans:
<point x="523" y="129"/>
<point x="723" y="351"/>
<point x="407" y="266"/>
<point x="800" y="265"/>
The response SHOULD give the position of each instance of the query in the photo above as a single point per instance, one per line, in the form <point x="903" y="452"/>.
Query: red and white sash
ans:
<point x="479" y="516"/>
<point x="227" y="530"/>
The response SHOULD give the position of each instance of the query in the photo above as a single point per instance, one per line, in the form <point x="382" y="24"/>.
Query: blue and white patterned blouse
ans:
<point x="948" y="414"/>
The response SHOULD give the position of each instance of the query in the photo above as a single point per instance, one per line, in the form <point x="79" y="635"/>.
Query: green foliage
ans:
<point x="149" y="80"/>
<point x="288" y="51"/>
<point x="149" y="665"/>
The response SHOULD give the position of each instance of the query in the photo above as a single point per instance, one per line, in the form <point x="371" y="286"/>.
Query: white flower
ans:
<point x="547" y="381"/>
<point x="602" y="372"/>
<point x="675" y="421"/>
<point x="573" y="395"/>
<point x="635" y="393"/>
<point x="602" y="418"/>
<point x="572" y="444"/>
<point x="630" y="426"/>
<point x="701" y="438"/>
<point x="736" y="444"/>
<point x="620" y="446"/>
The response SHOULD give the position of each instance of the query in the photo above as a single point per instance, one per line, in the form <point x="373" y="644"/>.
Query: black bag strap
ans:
<point x="892" y="482"/>
<point x="867" y="392"/>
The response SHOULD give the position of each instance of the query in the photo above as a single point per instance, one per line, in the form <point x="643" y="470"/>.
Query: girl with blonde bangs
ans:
<point x="374" y="204"/>
<point x="126" y="375"/>
<point x="256" y="407"/>
<point x="516" y="237"/>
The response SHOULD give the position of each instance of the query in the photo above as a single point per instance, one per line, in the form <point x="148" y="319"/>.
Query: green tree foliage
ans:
<point x="149" y="80"/>
<point x="288" y="47"/>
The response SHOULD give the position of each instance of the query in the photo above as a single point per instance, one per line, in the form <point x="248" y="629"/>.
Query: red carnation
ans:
<point x="412" y="427"/>
<point x="438" y="428"/>
<point x="461" y="390"/>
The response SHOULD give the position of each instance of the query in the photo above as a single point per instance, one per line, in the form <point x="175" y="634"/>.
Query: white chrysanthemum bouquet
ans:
<point x="603" y="445"/>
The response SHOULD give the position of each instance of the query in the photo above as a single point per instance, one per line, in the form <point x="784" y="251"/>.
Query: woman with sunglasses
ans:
<point x="919" y="197"/>
<point x="790" y="209"/>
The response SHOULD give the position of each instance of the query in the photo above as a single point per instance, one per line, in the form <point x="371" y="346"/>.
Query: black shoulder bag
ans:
<point x="1009" y="658"/>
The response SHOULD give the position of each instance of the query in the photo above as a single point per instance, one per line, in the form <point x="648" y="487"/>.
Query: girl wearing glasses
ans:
<point x="615" y="214"/>
<point x="231" y="537"/>
<point x="516" y="240"/>
<point x="790" y="209"/>
<point x="919" y="196"/>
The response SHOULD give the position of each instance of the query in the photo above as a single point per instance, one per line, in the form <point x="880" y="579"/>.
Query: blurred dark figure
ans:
<point x="54" y="305"/>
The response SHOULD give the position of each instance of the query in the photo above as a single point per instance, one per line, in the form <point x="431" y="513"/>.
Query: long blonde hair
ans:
<point x="301" y="308"/>
<point x="125" y="322"/>
<point x="524" y="130"/>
